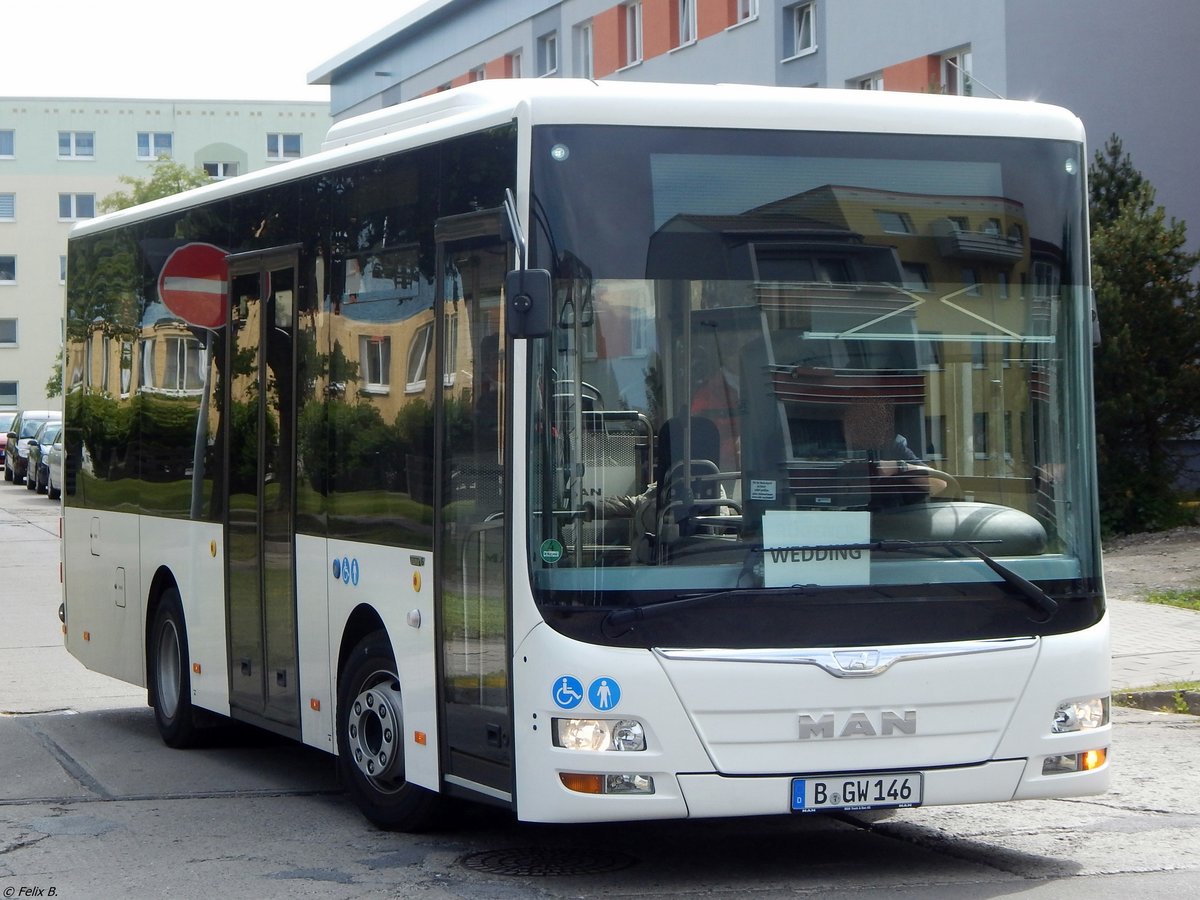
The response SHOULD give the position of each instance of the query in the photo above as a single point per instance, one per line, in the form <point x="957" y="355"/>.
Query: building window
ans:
<point x="870" y="83"/>
<point x="8" y="332"/>
<point x="220" y="170"/>
<point x="283" y="146"/>
<point x="970" y="279"/>
<point x="929" y="351"/>
<point x="8" y="393"/>
<point x="585" y="65"/>
<point x="183" y="369"/>
<point x="7" y="143"/>
<point x="981" y="435"/>
<point x="477" y="74"/>
<point x="548" y="53"/>
<point x="800" y="34"/>
<point x="894" y="222"/>
<point x="450" y="350"/>
<point x="8" y="207"/>
<point x="153" y="144"/>
<point x="418" y="359"/>
<point x="514" y="65"/>
<point x="916" y="276"/>
<point x="8" y="269"/>
<point x="686" y="22"/>
<point x="935" y="437"/>
<point x="76" y="145"/>
<point x="631" y="46"/>
<point x="745" y="9"/>
<point x="76" y="206"/>
<point x="956" y="73"/>
<point x="375" y="357"/>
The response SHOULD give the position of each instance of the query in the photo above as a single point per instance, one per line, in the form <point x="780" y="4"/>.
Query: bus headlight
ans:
<point x="1080" y="715"/>
<point x="599" y="734"/>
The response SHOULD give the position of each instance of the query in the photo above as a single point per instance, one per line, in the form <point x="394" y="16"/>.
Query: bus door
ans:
<point x="260" y="453"/>
<point x="472" y="259"/>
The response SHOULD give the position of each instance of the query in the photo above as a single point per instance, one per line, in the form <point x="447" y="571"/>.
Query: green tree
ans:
<point x="1146" y="373"/>
<point x="167" y="177"/>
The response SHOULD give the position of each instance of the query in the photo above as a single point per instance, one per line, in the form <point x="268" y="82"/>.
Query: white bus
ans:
<point x="609" y="452"/>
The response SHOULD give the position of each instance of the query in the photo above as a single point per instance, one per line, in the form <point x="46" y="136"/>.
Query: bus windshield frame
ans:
<point x="851" y="368"/>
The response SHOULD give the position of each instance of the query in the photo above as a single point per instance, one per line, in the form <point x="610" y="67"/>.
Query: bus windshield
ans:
<point x="790" y="359"/>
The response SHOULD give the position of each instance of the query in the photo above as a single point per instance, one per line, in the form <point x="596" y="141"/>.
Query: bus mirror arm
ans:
<point x="528" y="290"/>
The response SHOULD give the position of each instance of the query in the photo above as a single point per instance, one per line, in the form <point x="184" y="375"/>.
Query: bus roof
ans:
<point x="579" y="101"/>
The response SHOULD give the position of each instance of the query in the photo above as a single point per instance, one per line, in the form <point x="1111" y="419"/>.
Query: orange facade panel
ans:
<point x="498" y="68"/>
<point x="712" y="17"/>
<point x="658" y="27"/>
<point x="607" y="41"/>
<point x="915" y="75"/>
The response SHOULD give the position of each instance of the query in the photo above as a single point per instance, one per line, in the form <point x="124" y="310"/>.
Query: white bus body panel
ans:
<point x="387" y="580"/>
<point x="725" y="738"/>
<point x="111" y="610"/>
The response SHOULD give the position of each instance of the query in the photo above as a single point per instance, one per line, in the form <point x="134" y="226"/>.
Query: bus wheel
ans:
<point x="370" y="730"/>
<point x="170" y="673"/>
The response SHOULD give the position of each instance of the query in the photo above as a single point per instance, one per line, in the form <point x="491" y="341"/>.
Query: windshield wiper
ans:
<point x="1029" y="592"/>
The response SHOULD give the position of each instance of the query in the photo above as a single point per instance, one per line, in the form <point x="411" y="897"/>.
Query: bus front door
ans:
<point x="472" y="261"/>
<point x="260" y="443"/>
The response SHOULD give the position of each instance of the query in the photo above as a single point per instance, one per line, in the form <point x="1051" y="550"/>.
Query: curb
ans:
<point x="1187" y="702"/>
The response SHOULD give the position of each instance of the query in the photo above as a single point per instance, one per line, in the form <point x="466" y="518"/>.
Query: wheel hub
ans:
<point x="374" y="730"/>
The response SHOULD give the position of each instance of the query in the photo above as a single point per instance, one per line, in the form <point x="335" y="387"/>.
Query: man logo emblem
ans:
<point x="857" y="660"/>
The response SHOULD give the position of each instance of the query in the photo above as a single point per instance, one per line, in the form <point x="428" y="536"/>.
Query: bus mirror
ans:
<point x="528" y="293"/>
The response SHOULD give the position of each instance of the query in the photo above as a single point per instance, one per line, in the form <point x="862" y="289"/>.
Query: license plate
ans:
<point x="866" y="790"/>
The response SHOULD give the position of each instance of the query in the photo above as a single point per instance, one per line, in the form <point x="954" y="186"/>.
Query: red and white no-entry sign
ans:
<point x="193" y="284"/>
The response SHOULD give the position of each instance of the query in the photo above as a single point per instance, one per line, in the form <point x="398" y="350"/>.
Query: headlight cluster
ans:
<point x="599" y="734"/>
<point x="1080" y="715"/>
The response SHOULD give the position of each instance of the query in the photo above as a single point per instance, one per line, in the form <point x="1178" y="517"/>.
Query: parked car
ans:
<point x="6" y="420"/>
<point x="38" y="468"/>
<point x="24" y="427"/>
<point x="54" y="468"/>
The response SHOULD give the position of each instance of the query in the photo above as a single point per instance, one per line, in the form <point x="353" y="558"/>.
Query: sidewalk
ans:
<point x="1152" y="644"/>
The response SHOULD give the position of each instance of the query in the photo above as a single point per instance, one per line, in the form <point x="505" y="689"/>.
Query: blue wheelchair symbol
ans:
<point x="604" y="693"/>
<point x="568" y="692"/>
<point x="345" y="570"/>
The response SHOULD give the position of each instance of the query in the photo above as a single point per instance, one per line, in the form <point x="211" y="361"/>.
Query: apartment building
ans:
<point x="61" y="156"/>
<point x="1119" y="75"/>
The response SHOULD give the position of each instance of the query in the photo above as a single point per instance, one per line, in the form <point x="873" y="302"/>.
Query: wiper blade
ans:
<point x="1029" y="592"/>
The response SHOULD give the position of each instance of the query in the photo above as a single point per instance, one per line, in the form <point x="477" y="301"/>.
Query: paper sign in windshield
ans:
<point x="801" y="547"/>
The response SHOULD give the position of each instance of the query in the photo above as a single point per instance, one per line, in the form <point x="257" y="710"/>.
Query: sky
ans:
<point x="244" y="50"/>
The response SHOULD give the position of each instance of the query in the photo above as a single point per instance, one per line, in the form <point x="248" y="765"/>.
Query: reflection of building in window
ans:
<point x="894" y="222"/>
<point x="935" y="437"/>
<point x="418" y="359"/>
<point x="981" y="435"/>
<point x="450" y="349"/>
<point x="375" y="358"/>
<point x="171" y="364"/>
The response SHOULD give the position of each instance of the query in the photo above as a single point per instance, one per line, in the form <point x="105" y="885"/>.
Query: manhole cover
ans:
<point x="534" y="862"/>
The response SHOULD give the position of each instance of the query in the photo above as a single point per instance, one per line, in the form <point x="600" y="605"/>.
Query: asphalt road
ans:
<point x="93" y="805"/>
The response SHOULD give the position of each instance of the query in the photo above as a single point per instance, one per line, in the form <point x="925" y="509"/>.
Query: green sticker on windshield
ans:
<point x="552" y="551"/>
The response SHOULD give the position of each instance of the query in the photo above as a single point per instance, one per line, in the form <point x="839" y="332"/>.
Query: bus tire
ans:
<point x="370" y="732"/>
<point x="170" y="672"/>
